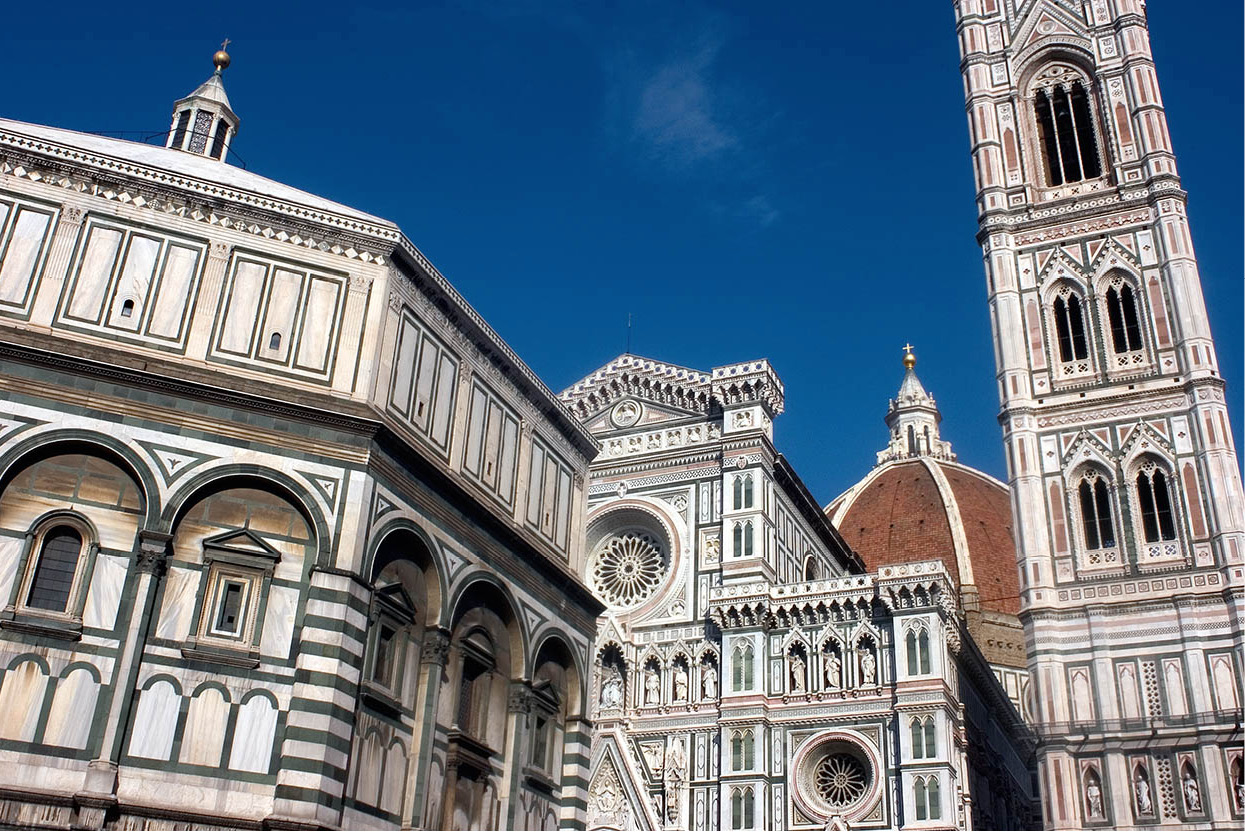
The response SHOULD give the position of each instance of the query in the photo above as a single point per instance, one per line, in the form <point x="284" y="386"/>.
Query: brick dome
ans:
<point x="924" y="508"/>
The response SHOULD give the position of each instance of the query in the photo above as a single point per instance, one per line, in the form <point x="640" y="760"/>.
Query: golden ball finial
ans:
<point x="909" y="359"/>
<point x="221" y="58"/>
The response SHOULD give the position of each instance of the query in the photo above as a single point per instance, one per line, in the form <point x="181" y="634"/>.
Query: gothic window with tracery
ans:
<point x="1097" y="518"/>
<point x="1154" y="495"/>
<point x="1066" y="127"/>
<point x="927" y="798"/>
<point x="1070" y="327"/>
<point x="924" y="737"/>
<point x="742" y="492"/>
<point x="741" y="677"/>
<point x="918" y="651"/>
<point x="628" y="568"/>
<point x="743" y="539"/>
<point x="742" y="810"/>
<point x="1122" y="315"/>
<point x="742" y="748"/>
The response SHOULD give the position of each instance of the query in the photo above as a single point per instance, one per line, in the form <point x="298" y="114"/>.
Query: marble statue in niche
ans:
<point x="797" y="668"/>
<point x="652" y="687"/>
<point x="680" y="684"/>
<point x="868" y="668"/>
<point x="709" y="682"/>
<point x="1093" y="797"/>
<point x="1192" y="794"/>
<point x="834" y="671"/>
<point x="1141" y="791"/>
<point x="611" y="689"/>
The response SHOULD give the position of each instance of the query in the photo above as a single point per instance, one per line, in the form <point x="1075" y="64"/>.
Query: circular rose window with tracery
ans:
<point x="841" y="779"/>
<point x="628" y="568"/>
<point x="835" y="775"/>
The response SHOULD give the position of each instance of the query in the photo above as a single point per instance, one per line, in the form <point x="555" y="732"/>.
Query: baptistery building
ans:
<point x="750" y="672"/>
<point x="289" y="537"/>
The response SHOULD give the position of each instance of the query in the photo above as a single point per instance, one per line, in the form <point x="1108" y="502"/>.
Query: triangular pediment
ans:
<point x="672" y="388"/>
<point x="241" y="542"/>
<point x="1043" y="19"/>
<point x="619" y="415"/>
<point x="615" y="797"/>
<point x="1059" y="266"/>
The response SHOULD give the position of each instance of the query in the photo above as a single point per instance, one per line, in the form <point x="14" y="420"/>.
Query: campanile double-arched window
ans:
<point x="1070" y="327"/>
<point x="1096" y="515"/>
<point x="1062" y="99"/>
<point x="1155" y="500"/>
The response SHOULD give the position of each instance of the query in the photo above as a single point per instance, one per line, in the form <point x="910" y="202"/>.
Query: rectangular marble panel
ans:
<point x="155" y="721"/>
<point x="10" y="551"/>
<point x="134" y="283"/>
<point x="95" y="273"/>
<point x="283" y="304"/>
<point x="242" y="307"/>
<point x="178" y="607"/>
<point x="104" y="596"/>
<point x="404" y="367"/>
<point x="423" y="383"/>
<point x="279" y="622"/>
<point x="443" y="411"/>
<point x="21" y="255"/>
<point x="319" y="324"/>
<point x="173" y="294"/>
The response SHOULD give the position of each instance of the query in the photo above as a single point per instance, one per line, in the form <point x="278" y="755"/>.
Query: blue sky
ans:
<point x="780" y="180"/>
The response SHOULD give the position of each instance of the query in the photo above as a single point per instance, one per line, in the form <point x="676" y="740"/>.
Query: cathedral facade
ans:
<point x="289" y="537"/>
<point x="750" y="672"/>
<point x="1126" y="493"/>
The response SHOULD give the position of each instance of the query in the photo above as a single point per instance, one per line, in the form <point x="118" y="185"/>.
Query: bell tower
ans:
<point x="1125" y="486"/>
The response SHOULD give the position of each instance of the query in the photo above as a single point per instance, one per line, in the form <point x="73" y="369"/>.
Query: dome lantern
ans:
<point x="203" y="122"/>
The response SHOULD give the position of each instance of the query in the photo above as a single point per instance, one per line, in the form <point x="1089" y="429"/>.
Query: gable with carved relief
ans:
<point x="635" y="412"/>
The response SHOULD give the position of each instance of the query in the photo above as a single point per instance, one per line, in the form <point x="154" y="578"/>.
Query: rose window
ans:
<point x="841" y="780"/>
<point x="628" y="568"/>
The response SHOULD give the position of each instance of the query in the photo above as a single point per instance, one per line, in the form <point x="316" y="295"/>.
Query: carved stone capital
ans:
<point x="73" y="215"/>
<point x="520" y="699"/>
<point x="218" y="251"/>
<point x="436" y="648"/>
<point x="153" y="551"/>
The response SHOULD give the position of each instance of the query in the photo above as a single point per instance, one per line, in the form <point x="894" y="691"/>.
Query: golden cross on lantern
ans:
<point x="225" y="44"/>
<point x="909" y="360"/>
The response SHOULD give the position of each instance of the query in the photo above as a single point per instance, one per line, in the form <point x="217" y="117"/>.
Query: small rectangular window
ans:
<point x="230" y="608"/>
<point x="382" y="667"/>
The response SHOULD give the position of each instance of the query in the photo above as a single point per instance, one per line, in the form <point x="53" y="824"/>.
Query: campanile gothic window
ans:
<point x="1070" y="328"/>
<point x="1062" y="101"/>
<point x="1154" y="497"/>
<point x="1097" y="519"/>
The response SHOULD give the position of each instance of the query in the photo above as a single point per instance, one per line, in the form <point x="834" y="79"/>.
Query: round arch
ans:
<point x="386" y="534"/>
<point x="249" y="476"/>
<point x="54" y="442"/>
<point x="554" y="645"/>
<point x="486" y="587"/>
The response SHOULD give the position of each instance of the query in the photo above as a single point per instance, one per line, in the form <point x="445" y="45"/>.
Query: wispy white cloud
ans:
<point x="676" y="118"/>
